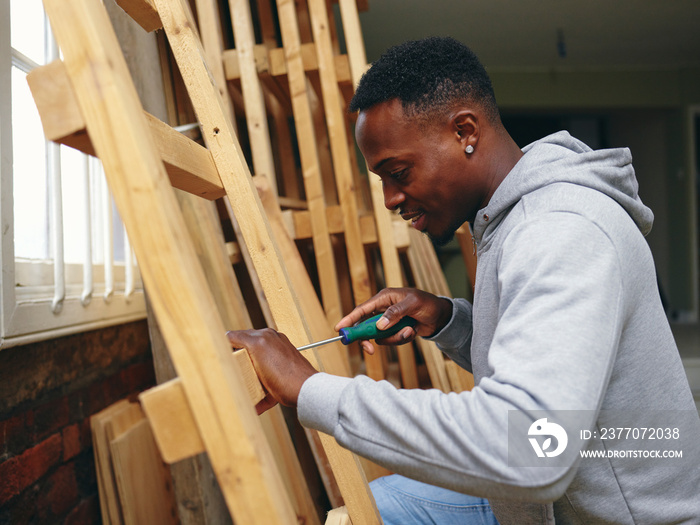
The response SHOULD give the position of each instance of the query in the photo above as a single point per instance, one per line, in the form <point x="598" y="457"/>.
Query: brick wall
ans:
<point x="48" y="391"/>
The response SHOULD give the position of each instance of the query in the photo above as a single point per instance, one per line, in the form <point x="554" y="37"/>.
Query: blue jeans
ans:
<point x="403" y="501"/>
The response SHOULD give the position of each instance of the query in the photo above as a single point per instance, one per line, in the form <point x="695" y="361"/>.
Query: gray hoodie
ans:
<point x="567" y="323"/>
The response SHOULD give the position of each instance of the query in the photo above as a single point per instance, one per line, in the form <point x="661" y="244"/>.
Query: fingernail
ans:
<point x="382" y="323"/>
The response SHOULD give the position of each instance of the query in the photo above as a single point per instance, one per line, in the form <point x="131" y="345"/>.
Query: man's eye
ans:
<point x="398" y="175"/>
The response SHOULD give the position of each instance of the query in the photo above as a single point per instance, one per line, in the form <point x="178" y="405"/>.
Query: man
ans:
<point x="566" y="322"/>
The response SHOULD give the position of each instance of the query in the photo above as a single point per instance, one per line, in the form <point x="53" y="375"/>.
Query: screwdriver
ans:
<point x="367" y="329"/>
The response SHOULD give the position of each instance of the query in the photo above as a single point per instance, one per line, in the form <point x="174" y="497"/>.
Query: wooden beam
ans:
<point x="301" y="223"/>
<point x="344" y="176"/>
<point x="143" y="12"/>
<point x="204" y="226"/>
<point x="191" y="325"/>
<point x="171" y="419"/>
<point x="393" y="274"/>
<point x="338" y="516"/>
<point x="273" y="61"/>
<point x="310" y="161"/>
<point x="144" y="482"/>
<point x="221" y="140"/>
<point x="468" y="248"/>
<point x="460" y="379"/>
<point x="212" y="39"/>
<point x="189" y="165"/>
<point x="106" y="484"/>
<point x="251" y="87"/>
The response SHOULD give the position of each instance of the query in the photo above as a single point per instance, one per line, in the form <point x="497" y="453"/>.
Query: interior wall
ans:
<point x="645" y="133"/>
<point x="645" y="110"/>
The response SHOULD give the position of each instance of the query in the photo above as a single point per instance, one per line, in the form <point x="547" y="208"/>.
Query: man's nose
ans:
<point x="393" y="197"/>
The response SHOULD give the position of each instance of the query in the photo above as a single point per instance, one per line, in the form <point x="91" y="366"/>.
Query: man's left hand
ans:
<point x="281" y="368"/>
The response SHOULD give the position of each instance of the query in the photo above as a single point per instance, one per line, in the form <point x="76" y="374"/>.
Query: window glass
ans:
<point x="28" y="17"/>
<point x="29" y="173"/>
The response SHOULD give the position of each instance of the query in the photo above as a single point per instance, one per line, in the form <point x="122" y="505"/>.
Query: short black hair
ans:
<point x="428" y="76"/>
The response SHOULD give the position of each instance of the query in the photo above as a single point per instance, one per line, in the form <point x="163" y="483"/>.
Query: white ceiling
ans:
<point x="524" y="33"/>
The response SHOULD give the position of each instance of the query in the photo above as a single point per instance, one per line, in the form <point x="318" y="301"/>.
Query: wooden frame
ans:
<point x="191" y="325"/>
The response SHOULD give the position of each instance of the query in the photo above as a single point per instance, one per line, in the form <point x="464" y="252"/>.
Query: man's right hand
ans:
<point x="431" y="312"/>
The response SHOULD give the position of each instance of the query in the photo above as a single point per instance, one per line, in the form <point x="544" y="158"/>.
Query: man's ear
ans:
<point x="465" y="124"/>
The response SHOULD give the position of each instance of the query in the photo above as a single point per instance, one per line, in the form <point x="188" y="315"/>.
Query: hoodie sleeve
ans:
<point x="559" y="324"/>
<point x="455" y="339"/>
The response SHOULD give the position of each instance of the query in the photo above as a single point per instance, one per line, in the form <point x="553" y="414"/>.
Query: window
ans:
<point x="66" y="261"/>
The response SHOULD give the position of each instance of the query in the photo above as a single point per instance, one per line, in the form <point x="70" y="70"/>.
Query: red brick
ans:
<point x="71" y="441"/>
<point x="139" y="376"/>
<point x="94" y="399"/>
<point x="14" y="435"/>
<point x="86" y="512"/>
<point x="114" y="388"/>
<point x="85" y="432"/>
<point x="22" y="509"/>
<point x="61" y="493"/>
<point x="50" y="417"/>
<point x="21" y="471"/>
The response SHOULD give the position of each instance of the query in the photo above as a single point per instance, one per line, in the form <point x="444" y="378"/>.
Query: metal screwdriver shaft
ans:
<point x="367" y="329"/>
<point x="320" y="343"/>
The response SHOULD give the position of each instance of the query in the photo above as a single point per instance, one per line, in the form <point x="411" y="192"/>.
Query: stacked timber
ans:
<point x="277" y="224"/>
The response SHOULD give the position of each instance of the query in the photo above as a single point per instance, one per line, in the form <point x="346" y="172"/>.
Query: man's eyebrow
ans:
<point x="381" y="163"/>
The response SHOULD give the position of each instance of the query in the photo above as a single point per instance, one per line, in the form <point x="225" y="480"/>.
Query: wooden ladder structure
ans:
<point x="214" y="393"/>
<point x="308" y="67"/>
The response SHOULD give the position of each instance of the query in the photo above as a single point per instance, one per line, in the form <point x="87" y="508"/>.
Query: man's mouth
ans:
<point x="417" y="219"/>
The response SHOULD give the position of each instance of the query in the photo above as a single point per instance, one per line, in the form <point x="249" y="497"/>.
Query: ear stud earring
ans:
<point x="469" y="149"/>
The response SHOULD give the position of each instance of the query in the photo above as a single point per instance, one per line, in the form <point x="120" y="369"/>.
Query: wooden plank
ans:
<point x="390" y="258"/>
<point x="256" y="116"/>
<point x="267" y="24"/>
<point x="460" y="379"/>
<point x="199" y="498"/>
<point x="273" y="62"/>
<point x="466" y="244"/>
<point x="106" y="484"/>
<point x="344" y="177"/>
<point x="310" y="163"/>
<point x="250" y="265"/>
<point x="207" y="237"/>
<point x="193" y="330"/>
<point x="174" y="428"/>
<point x="276" y="430"/>
<point x="433" y="357"/>
<point x="302" y="224"/>
<point x="282" y="143"/>
<point x="143" y="12"/>
<point x="212" y="40"/>
<point x="189" y="165"/>
<point x="303" y="21"/>
<point x="197" y="492"/>
<point x="219" y="136"/>
<point x="205" y="230"/>
<point x="335" y="357"/>
<point x="338" y="516"/>
<point x="144" y="482"/>
<point x="167" y="76"/>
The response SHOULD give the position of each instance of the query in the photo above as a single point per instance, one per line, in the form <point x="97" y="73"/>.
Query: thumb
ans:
<point x="265" y="404"/>
<point x="237" y="338"/>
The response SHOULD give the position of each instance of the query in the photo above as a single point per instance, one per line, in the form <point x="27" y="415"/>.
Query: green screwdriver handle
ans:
<point x="367" y="329"/>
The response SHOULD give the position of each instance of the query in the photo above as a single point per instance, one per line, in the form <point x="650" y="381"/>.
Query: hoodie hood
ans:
<point x="562" y="158"/>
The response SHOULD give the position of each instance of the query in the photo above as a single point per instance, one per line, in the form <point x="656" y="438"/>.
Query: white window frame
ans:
<point x="35" y="304"/>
